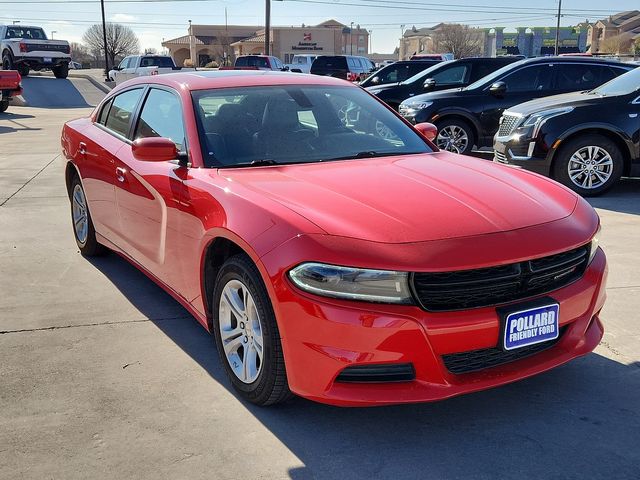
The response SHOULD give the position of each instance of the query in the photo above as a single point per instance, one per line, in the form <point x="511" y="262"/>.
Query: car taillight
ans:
<point x="23" y="47"/>
<point x="352" y="77"/>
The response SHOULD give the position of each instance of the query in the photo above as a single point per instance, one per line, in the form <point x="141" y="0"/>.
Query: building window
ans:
<point x="361" y="50"/>
<point x="361" y="38"/>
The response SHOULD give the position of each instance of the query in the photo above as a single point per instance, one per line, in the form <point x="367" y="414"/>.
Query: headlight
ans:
<point x="593" y="246"/>
<point x="537" y="119"/>
<point x="382" y="286"/>
<point x="417" y="105"/>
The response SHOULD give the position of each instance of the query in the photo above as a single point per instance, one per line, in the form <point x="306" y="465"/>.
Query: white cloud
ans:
<point x="123" y="17"/>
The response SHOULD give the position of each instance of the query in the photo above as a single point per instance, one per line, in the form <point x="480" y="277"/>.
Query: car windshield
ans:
<point x="259" y="62"/>
<point x="298" y="124"/>
<point x="423" y="75"/>
<point x="26" y="33"/>
<point x="162" y="62"/>
<point x="492" y="77"/>
<point x="622" y="85"/>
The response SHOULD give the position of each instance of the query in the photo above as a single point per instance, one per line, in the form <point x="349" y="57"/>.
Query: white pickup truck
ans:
<point x="143" y="65"/>
<point x="301" y="63"/>
<point x="25" y="48"/>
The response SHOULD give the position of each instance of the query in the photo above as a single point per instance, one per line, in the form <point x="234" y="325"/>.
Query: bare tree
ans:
<point x="121" y="40"/>
<point x="461" y="40"/>
<point x="151" y="51"/>
<point x="615" y="45"/>
<point x="81" y="53"/>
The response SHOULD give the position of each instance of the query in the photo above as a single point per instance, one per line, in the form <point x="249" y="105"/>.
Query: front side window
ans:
<point x="121" y="111"/>
<point x="530" y="79"/>
<point x="298" y="124"/>
<point x="161" y="116"/>
<point x="124" y="63"/>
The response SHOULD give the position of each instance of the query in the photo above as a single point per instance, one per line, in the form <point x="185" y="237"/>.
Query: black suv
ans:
<point x="455" y="73"/>
<point x="398" y="72"/>
<point x="347" y="67"/>
<point x="585" y="140"/>
<point x="469" y="116"/>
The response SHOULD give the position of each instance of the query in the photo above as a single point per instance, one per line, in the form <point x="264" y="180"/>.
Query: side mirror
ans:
<point x="429" y="84"/>
<point x="375" y="80"/>
<point x="498" y="89"/>
<point x="154" y="149"/>
<point x="285" y="68"/>
<point x="427" y="130"/>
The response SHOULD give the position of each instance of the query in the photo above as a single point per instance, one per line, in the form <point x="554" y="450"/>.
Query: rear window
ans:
<point x="259" y="62"/>
<point x="162" y="62"/>
<point x="25" y="32"/>
<point x="330" y="63"/>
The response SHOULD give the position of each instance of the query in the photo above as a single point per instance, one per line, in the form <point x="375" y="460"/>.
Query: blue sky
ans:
<point x="168" y="19"/>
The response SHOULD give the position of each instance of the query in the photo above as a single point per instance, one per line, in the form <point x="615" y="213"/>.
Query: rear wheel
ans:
<point x="61" y="71"/>
<point x="247" y="335"/>
<point x="455" y="136"/>
<point x="4" y="104"/>
<point x="7" y="62"/>
<point x="83" y="230"/>
<point x="590" y="164"/>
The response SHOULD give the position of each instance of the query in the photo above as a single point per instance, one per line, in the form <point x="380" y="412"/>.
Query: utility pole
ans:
<point x="351" y="37"/>
<point x="558" y="27"/>
<point x="104" y="39"/>
<point x="267" y="30"/>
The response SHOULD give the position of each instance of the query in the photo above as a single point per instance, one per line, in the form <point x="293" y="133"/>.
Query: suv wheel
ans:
<point x="247" y="335"/>
<point x="589" y="165"/>
<point x="7" y="62"/>
<point x="455" y="136"/>
<point x="61" y="71"/>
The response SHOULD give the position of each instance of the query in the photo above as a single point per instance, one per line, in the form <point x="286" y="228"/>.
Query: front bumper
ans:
<point x="321" y="337"/>
<point x="523" y="152"/>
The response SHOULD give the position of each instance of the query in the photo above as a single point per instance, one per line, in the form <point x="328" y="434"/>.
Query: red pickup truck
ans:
<point x="10" y="86"/>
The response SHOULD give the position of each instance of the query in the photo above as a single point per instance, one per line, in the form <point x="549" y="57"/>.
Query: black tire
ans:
<point x="7" y="62"/>
<point x="61" y="71"/>
<point x="90" y="246"/>
<point x="455" y="124"/>
<point x="270" y="386"/>
<point x="4" y="104"/>
<point x="23" y="70"/>
<point x="580" y="146"/>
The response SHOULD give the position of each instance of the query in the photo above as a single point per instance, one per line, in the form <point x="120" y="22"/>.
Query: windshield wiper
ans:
<point x="255" y="163"/>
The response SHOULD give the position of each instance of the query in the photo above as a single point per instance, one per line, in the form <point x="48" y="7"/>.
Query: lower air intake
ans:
<point x="397" y="372"/>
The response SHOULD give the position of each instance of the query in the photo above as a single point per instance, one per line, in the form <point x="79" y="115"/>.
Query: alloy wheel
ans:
<point x="241" y="331"/>
<point x="80" y="215"/>
<point x="453" y="139"/>
<point x="590" y="167"/>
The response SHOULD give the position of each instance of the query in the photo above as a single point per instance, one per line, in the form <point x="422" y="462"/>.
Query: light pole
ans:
<point x="370" y="42"/>
<point x="52" y="32"/>
<point x="104" y="40"/>
<point x="351" y="37"/>
<point x="267" y="29"/>
<point x="558" y="27"/>
<point x="400" y="50"/>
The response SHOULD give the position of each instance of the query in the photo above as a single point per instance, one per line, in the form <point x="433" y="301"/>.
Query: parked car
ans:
<point x="347" y="67"/>
<point x="441" y="76"/>
<point x="75" y="65"/>
<point x="10" y="86"/>
<point x="258" y="62"/>
<point x="27" y="48"/>
<point x="432" y="56"/>
<point x="326" y="260"/>
<point x="301" y="63"/>
<point x="469" y="116"/>
<point x="585" y="140"/>
<point x="397" y="72"/>
<point x="143" y="65"/>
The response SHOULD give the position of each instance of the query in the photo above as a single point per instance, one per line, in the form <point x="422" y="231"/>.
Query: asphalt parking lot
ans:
<point x="103" y="375"/>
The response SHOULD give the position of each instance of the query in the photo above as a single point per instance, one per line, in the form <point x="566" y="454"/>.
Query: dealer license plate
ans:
<point x="47" y="60"/>
<point x="531" y="326"/>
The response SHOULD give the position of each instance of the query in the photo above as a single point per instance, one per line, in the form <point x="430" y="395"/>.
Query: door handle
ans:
<point x="82" y="148"/>
<point x="120" y="173"/>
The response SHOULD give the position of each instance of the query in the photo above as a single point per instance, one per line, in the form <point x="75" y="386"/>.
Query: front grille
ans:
<point x="46" y="47"/>
<point x="384" y="373"/>
<point x="474" y="360"/>
<point x="508" y="124"/>
<point x="499" y="157"/>
<point x="463" y="289"/>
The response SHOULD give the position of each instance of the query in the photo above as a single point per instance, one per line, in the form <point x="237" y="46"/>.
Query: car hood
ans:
<point x="573" y="99"/>
<point x="410" y="198"/>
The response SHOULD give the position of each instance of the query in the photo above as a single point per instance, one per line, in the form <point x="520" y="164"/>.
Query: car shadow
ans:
<point x="623" y="198"/>
<point x="46" y="92"/>
<point x="577" y="421"/>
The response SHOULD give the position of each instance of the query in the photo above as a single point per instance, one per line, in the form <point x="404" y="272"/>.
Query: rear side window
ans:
<point x="119" y="117"/>
<point x="575" y="77"/>
<point x="530" y="79"/>
<point x="161" y="116"/>
<point x="452" y="75"/>
<point x="102" y="118"/>
<point x="480" y="70"/>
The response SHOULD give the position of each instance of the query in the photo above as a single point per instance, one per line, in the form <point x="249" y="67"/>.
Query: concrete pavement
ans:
<point x="103" y="375"/>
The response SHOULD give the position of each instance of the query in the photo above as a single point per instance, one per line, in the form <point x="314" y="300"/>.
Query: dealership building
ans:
<point x="207" y="43"/>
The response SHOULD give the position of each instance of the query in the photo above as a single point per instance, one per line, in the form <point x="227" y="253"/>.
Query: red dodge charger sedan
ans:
<point x="330" y="248"/>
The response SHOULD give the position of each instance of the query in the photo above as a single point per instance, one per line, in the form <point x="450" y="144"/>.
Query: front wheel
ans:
<point x="589" y="165"/>
<point x="246" y="333"/>
<point x="455" y="136"/>
<point x="4" y="104"/>
<point x="23" y="70"/>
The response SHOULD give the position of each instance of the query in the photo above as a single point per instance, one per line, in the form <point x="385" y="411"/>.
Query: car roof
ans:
<point x="569" y="59"/>
<point x="212" y="79"/>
